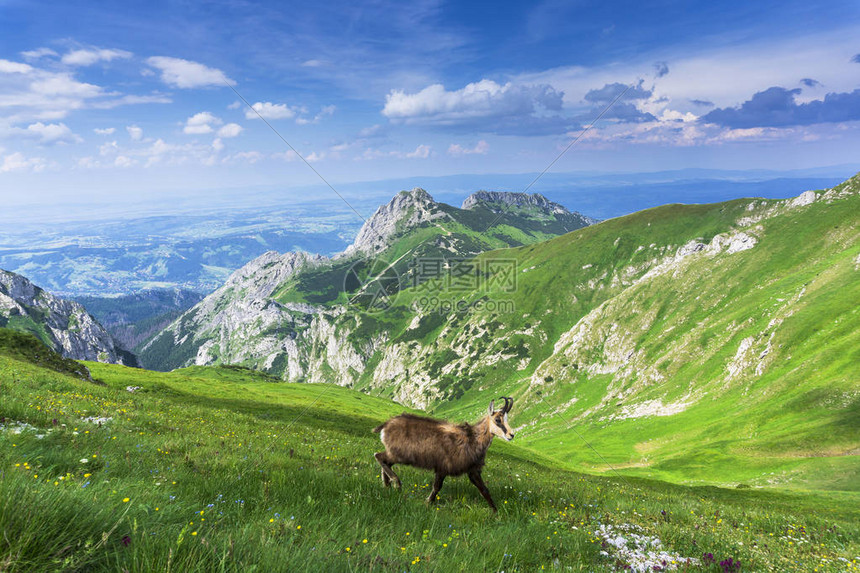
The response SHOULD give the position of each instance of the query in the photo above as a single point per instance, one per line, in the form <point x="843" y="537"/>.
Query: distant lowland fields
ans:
<point x="196" y="241"/>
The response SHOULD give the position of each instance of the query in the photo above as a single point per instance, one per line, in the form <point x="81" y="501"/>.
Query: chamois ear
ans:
<point x="491" y="409"/>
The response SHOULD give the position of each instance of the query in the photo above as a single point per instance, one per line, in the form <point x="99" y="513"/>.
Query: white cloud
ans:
<point x="52" y="133"/>
<point x="230" y="130"/>
<point x="325" y="111"/>
<point x="481" y="99"/>
<point x="90" y="57"/>
<point x="312" y="63"/>
<point x="288" y="156"/>
<point x="480" y="148"/>
<point x="270" y="110"/>
<point x="371" y="131"/>
<point x="39" y="53"/>
<point x="7" y="67"/>
<point x="104" y="131"/>
<point x="201" y="123"/>
<point x="217" y="144"/>
<point x="181" y="73"/>
<point x="235" y="105"/>
<point x="18" y="162"/>
<point x="88" y="162"/>
<point x="64" y="85"/>
<point x="244" y="157"/>
<point x="134" y="132"/>
<point x="313" y="157"/>
<point x="123" y="161"/>
<point x="109" y="148"/>
<point x="132" y="99"/>
<point x="421" y="152"/>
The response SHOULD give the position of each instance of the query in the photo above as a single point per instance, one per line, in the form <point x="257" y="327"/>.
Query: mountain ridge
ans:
<point x="411" y="227"/>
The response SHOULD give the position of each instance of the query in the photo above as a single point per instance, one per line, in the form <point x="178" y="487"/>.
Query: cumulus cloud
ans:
<point x="512" y="107"/>
<point x="186" y="74"/>
<point x="19" y="162"/>
<point x="776" y="107"/>
<point x="270" y="110"/>
<point x="104" y="131"/>
<point x="421" y="152"/>
<point x="230" y="130"/>
<point x="134" y="132"/>
<point x="52" y="133"/>
<point x="200" y="123"/>
<point x="8" y="67"/>
<point x="85" y="57"/>
<point x="480" y="148"/>
<point x="622" y="110"/>
<point x="123" y="161"/>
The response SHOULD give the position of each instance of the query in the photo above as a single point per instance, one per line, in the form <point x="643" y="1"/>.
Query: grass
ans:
<point x="221" y="469"/>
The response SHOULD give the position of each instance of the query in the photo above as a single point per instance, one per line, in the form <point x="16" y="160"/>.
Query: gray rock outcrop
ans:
<point x="63" y="325"/>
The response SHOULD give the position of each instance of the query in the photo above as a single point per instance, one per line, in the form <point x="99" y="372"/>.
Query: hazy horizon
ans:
<point x="103" y="107"/>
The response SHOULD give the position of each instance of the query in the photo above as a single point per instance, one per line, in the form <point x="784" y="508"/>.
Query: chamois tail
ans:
<point x="379" y="428"/>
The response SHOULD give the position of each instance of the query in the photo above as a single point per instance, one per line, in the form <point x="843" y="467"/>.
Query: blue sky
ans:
<point x="112" y="103"/>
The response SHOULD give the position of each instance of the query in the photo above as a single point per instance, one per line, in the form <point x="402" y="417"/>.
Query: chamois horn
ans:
<point x="509" y="403"/>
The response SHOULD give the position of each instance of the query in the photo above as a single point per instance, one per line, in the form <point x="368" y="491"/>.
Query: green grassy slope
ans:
<point x="220" y="469"/>
<point x="649" y="369"/>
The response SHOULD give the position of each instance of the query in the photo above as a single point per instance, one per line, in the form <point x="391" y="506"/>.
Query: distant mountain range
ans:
<point x="195" y="240"/>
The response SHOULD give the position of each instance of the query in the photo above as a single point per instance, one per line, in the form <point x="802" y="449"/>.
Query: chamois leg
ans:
<point x="475" y="478"/>
<point x="437" y="485"/>
<point x="388" y="474"/>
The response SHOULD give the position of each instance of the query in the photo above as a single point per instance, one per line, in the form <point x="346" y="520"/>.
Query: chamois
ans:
<point x="447" y="449"/>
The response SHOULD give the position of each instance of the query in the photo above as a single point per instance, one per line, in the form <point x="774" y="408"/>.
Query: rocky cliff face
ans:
<point x="239" y="321"/>
<point x="64" y="325"/>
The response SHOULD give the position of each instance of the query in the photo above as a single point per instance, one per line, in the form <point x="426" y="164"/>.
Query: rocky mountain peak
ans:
<point x="494" y="200"/>
<point x="260" y="277"/>
<point x="64" y="325"/>
<point x="405" y="210"/>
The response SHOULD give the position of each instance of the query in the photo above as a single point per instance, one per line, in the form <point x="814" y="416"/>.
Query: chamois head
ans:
<point x="499" y="419"/>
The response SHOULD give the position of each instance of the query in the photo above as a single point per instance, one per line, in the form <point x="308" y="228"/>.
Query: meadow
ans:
<point x="225" y="469"/>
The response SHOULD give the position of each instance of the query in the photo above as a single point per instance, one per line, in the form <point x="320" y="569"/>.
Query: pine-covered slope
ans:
<point x="63" y="325"/>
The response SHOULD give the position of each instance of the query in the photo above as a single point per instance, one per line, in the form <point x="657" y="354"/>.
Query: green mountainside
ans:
<point x="698" y="343"/>
<point x="259" y="318"/>
<point x="227" y="469"/>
